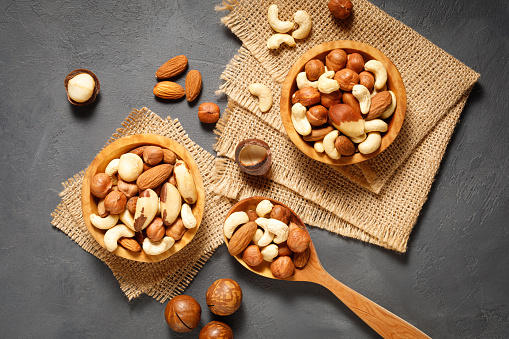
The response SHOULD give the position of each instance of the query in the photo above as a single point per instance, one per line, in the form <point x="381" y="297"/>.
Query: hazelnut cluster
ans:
<point x="342" y="104"/>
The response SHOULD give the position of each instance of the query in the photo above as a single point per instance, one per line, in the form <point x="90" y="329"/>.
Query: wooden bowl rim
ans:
<point x="114" y="150"/>
<point x="394" y="77"/>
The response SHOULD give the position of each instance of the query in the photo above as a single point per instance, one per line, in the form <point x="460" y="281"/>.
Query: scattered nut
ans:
<point x="263" y="94"/>
<point x="224" y="297"/>
<point x="172" y="67"/>
<point x="276" y="24"/>
<point x="193" y="85"/>
<point x="82" y="87"/>
<point x="168" y="90"/>
<point x="277" y="39"/>
<point x="302" y="19"/>
<point x="182" y="313"/>
<point x="341" y="9"/>
<point x="216" y="330"/>
<point x="208" y="112"/>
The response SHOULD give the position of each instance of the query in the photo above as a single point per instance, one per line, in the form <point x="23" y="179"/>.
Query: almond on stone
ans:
<point x="172" y="67"/>
<point x="193" y="85"/>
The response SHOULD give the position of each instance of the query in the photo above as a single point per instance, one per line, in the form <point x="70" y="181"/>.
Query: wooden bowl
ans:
<point x="115" y="150"/>
<point x="394" y="83"/>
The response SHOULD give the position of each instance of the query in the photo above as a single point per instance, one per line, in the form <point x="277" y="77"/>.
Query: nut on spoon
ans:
<point x="385" y="323"/>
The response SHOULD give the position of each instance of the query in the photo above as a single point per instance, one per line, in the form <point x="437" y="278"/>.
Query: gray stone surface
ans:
<point x="452" y="283"/>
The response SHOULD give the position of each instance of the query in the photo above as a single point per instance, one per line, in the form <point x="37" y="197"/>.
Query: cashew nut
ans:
<point x="104" y="223"/>
<point x="170" y="203"/>
<point x="318" y="146"/>
<point x="302" y="19"/>
<point x="157" y="247"/>
<point x="375" y="125"/>
<point x="388" y="112"/>
<point x="264" y="96"/>
<point x="185" y="182"/>
<point x="264" y="207"/>
<point x="299" y="120"/>
<point x="112" y="169"/>
<point x="233" y="221"/>
<point x="275" y="23"/>
<point x="270" y="252"/>
<point x="146" y="209"/>
<point x="328" y="144"/>
<point x="371" y="144"/>
<point x="302" y="81"/>
<point x="127" y="218"/>
<point x="277" y="39"/>
<point x="113" y="234"/>
<point x="326" y="83"/>
<point x="361" y="93"/>
<point x="267" y="236"/>
<point x="378" y="70"/>
<point x="274" y="226"/>
<point x="188" y="218"/>
<point x="257" y="236"/>
<point x="130" y="166"/>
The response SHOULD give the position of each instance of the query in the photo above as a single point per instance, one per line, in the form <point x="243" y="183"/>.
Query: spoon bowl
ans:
<point x="385" y="323"/>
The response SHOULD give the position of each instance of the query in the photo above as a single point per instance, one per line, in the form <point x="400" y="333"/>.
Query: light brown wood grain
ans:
<point x="385" y="323"/>
<point x="394" y="83"/>
<point x="115" y="150"/>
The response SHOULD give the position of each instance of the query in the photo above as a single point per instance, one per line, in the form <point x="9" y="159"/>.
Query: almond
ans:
<point x="193" y="85"/>
<point x="379" y="104"/>
<point x="154" y="176"/>
<point x="172" y="67"/>
<point x="242" y="237"/>
<point x="318" y="134"/>
<point x="168" y="90"/>
<point x="130" y="244"/>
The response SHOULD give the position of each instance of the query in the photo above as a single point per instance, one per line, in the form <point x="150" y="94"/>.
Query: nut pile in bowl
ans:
<point x="265" y="236"/>
<point x="143" y="197"/>
<point x="343" y="102"/>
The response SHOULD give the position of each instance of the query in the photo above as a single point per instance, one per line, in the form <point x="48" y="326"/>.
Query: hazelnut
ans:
<point x="317" y="115"/>
<point x="330" y="99"/>
<point x="182" y="313"/>
<point x="252" y="255"/>
<point x="367" y="80"/>
<point x="176" y="230"/>
<point x="344" y="145"/>
<point x="355" y="62"/>
<point x="282" y="267"/>
<point x="224" y="296"/>
<point x="284" y="250"/>
<point x="307" y="96"/>
<point x="216" y="330"/>
<point x="251" y="213"/>
<point x="115" y="202"/>
<point x="341" y="9"/>
<point x="314" y="68"/>
<point x="82" y="87"/>
<point x="301" y="259"/>
<point x="298" y="239"/>
<point x="155" y="230"/>
<point x="100" y="185"/>
<point x="346" y="79"/>
<point x="153" y="155"/>
<point x="253" y="156"/>
<point x="130" y="189"/>
<point x="169" y="157"/>
<point x="350" y="100"/>
<point x="335" y="60"/>
<point x="208" y="112"/>
<point x="281" y="213"/>
<point x="131" y="204"/>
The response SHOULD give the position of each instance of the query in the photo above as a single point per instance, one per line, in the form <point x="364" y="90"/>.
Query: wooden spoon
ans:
<point x="385" y="323"/>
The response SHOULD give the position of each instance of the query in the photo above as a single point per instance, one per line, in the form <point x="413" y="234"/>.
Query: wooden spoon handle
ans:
<point x="385" y="323"/>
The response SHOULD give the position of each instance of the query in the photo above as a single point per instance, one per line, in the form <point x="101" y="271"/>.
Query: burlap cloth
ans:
<point x="169" y="277"/>
<point x="379" y="200"/>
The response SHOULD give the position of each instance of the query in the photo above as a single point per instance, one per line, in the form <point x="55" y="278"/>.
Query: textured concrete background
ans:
<point x="452" y="283"/>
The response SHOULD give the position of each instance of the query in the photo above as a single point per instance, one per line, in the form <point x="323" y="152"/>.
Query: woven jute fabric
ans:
<point x="380" y="199"/>
<point x="167" y="278"/>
